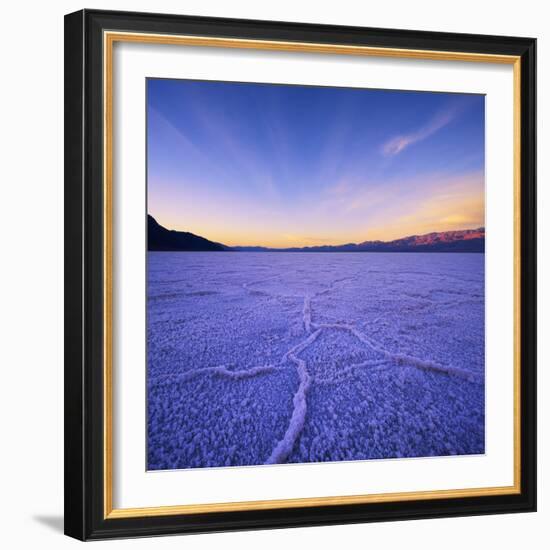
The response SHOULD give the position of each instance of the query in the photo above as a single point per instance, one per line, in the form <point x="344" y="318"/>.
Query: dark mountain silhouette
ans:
<point x="161" y="239"/>
<point x="466" y="240"/>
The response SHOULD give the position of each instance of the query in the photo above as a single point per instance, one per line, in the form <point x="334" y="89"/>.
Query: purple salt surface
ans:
<point x="262" y="358"/>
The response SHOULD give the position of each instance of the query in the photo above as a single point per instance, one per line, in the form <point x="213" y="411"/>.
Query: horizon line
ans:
<point x="479" y="228"/>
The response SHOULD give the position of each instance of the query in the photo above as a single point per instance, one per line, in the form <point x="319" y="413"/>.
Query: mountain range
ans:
<point x="466" y="240"/>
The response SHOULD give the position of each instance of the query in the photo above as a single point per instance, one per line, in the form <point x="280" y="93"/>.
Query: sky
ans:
<point x="285" y="166"/>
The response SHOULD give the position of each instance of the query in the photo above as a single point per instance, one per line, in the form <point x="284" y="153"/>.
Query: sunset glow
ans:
<point x="283" y="166"/>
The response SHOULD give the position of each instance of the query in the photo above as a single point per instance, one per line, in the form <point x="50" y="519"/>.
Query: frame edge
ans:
<point x="74" y="271"/>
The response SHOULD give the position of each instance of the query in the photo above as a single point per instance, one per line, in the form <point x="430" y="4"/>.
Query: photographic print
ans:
<point x="315" y="274"/>
<point x="280" y="306"/>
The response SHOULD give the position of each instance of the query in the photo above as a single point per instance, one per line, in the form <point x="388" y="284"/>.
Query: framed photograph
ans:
<point x="300" y="274"/>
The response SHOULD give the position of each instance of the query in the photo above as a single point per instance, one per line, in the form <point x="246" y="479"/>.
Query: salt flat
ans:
<point x="273" y="357"/>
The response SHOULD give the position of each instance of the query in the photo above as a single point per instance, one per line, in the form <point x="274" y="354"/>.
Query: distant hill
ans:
<point x="161" y="239"/>
<point x="466" y="240"/>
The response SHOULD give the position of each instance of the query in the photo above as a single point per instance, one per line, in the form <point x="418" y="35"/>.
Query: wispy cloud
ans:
<point x="399" y="143"/>
<point x="393" y="207"/>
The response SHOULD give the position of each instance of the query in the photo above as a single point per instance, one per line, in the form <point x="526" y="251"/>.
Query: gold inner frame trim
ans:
<point x="109" y="39"/>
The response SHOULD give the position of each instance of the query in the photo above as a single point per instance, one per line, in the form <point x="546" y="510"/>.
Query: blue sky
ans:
<point x="279" y="165"/>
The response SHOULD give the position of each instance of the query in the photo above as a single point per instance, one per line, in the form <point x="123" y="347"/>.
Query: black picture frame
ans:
<point x="84" y="276"/>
